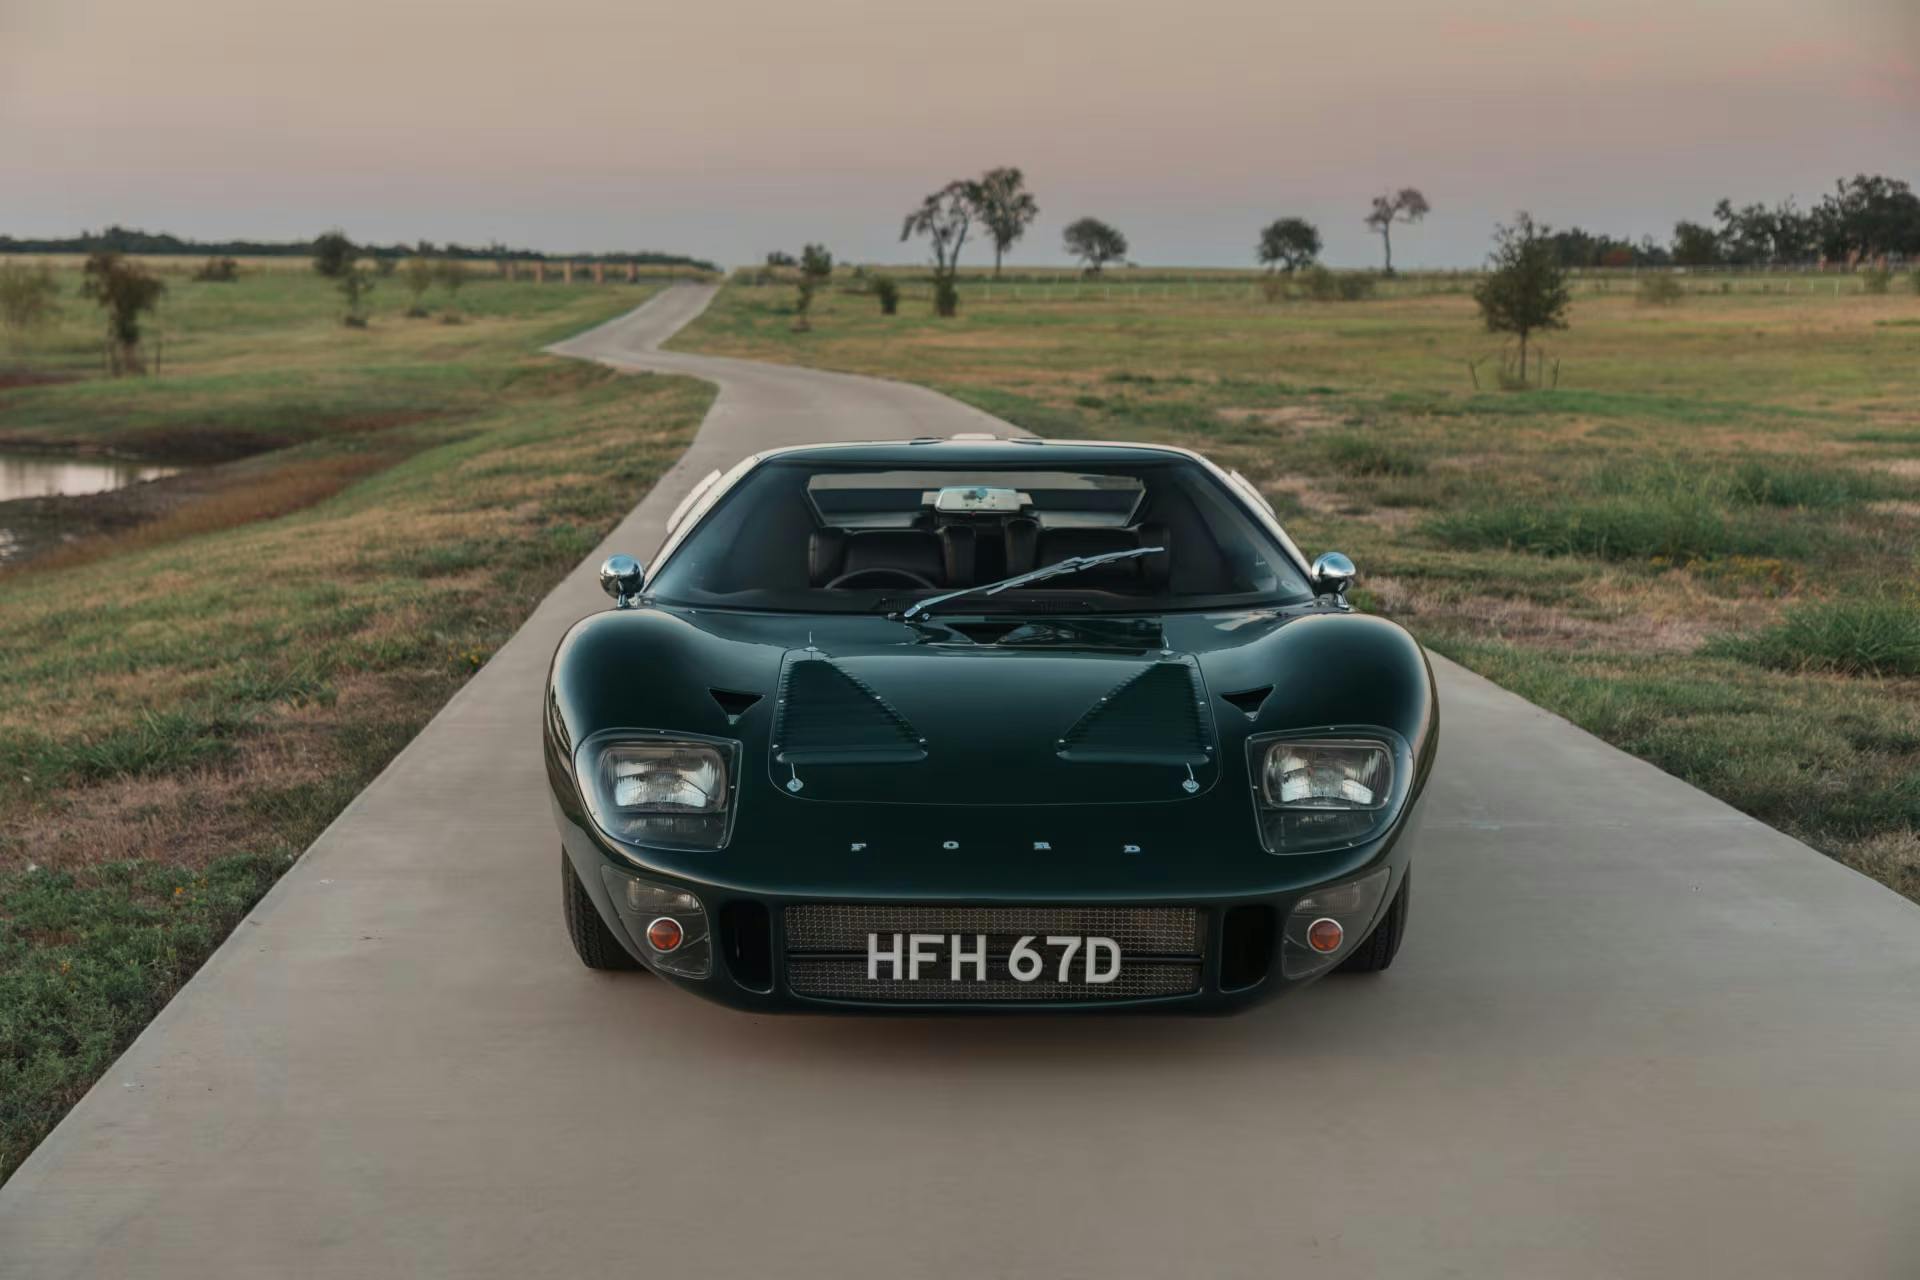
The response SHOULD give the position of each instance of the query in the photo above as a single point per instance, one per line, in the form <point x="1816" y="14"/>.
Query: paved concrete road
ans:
<point x="1632" y="1034"/>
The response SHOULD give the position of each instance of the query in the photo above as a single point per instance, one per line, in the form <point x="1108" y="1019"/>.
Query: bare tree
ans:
<point x="944" y="218"/>
<point x="1007" y="208"/>
<point x="1404" y="205"/>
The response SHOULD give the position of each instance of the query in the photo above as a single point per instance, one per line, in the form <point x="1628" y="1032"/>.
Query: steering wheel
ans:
<point x="907" y="576"/>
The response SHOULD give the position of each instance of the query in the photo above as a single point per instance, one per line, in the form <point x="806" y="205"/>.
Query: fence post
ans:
<point x="540" y="271"/>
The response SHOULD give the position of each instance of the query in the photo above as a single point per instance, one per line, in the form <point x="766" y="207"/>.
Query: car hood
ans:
<point x="967" y="724"/>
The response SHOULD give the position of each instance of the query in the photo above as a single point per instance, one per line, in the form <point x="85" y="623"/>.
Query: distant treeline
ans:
<point x="118" y="239"/>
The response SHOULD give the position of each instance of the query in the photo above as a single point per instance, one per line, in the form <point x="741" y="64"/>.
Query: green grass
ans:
<point x="184" y="707"/>
<point x="1685" y="546"/>
<point x="1871" y="636"/>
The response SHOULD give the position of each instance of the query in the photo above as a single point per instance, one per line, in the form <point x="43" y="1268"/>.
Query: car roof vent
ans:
<point x="1154" y="716"/>
<point x="829" y="716"/>
<point x="734" y="703"/>
<point x="1249" y="701"/>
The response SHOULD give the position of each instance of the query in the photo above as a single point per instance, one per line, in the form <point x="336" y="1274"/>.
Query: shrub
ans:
<point x="1876" y="279"/>
<point x="27" y="296"/>
<point x="218" y="271"/>
<point x="1869" y="635"/>
<point x="1659" y="290"/>
<point x="1355" y="286"/>
<point x="1913" y="279"/>
<point x="1320" y="284"/>
<point x="888" y="292"/>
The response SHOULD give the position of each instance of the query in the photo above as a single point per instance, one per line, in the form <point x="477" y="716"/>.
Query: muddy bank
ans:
<point x="31" y="527"/>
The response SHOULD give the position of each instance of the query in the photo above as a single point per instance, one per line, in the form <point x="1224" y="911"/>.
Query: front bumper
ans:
<point x="761" y="962"/>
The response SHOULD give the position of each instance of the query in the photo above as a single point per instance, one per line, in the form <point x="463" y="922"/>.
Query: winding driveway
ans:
<point x="1633" y="1033"/>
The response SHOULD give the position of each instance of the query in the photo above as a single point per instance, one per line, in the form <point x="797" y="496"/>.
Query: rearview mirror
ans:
<point x="620" y="577"/>
<point x="1333" y="573"/>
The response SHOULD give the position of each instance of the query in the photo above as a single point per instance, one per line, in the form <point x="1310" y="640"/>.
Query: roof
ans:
<point x="978" y="450"/>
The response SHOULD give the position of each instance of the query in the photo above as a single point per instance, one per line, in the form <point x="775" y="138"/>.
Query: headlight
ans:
<point x="671" y="792"/>
<point x="1321" y="793"/>
<point x="1326" y="775"/>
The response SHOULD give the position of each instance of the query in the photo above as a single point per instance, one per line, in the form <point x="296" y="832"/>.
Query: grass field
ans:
<point x="1702" y="546"/>
<point x="187" y="700"/>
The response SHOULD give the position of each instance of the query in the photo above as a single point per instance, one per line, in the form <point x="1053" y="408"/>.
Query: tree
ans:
<point x="1006" y="208"/>
<point x="1756" y="235"/>
<point x="1866" y="216"/>
<point x="452" y="274"/>
<point x="418" y="276"/>
<point x="1289" y="244"/>
<point x="356" y="282"/>
<point x="125" y="290"/>
<point x="780" y="258"/>
<point x="1526" y="290"/>
<point x="1094" y="243"/>
<point x="28" y="297"/>
<point x="944" y="218"/>
<point x="1695" y="245"/>
<point x="334" y="254"/>
<point x="1405" y="205"/>
<point x="816" y="265"/>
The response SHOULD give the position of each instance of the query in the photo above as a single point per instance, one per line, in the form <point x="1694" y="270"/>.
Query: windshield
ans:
<point x="819" y="537"/>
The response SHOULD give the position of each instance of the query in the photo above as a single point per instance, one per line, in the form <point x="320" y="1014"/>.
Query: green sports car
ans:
<point x="982" y="724"/>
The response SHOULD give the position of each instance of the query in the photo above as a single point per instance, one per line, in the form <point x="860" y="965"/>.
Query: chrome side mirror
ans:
<point x="1333" y="573"/>
<point x="620" y="577"/>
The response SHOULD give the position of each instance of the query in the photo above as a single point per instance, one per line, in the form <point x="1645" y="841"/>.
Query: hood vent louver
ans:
<point x="827" y="716"/>
<point x="1154" y="716"/>
<point x="1249" y="701"/>
<point x="734" y="703"/>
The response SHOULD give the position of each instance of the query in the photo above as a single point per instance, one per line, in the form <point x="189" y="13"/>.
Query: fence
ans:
<point x="1165" y="286"/>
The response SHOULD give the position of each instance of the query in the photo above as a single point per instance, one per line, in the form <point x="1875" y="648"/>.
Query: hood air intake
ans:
<point x="827" y="716"/>
<point x="1154" y="716"/>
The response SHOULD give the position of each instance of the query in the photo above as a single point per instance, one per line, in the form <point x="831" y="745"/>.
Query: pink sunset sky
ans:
<point x="725" y="128"/>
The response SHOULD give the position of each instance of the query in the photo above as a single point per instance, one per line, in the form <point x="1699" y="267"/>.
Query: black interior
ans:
<point x="769" y="545"/>
<point x="969" y="552"/>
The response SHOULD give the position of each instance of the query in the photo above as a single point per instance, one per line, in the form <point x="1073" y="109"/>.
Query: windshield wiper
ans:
<point x="1072" y="564"/>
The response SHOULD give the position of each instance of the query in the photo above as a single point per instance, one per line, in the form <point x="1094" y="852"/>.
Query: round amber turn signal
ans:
<point x="664" y="934"/>
<point x="1324" y="935"/>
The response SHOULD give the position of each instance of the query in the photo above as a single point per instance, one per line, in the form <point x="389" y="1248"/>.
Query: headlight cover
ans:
<point x="1327" y="789"/>
<point x="642" y="904"/>
<point x="673" y="792"/>
<point x="1351" y="906"/>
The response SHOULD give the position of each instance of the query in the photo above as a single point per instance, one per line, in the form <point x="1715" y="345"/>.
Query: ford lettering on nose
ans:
<point x="958" y="957"/>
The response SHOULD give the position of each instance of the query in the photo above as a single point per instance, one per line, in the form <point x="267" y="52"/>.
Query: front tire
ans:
<point x="1377" y="952"/>
<point x="593" y="941"/>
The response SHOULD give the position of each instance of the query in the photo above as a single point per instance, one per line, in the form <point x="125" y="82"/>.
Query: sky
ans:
<point x="725" y="128"/>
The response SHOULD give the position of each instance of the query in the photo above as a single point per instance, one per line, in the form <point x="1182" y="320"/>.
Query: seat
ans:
<point x="1055" y="545"/>
<point x="834" y="553"/>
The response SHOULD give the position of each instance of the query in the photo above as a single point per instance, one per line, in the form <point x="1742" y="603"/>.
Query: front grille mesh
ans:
<point x="1166" y="931"/>
<point x="836" y="979"/>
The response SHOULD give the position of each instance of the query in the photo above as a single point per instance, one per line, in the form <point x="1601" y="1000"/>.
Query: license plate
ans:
<point x="968" y="957"/>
